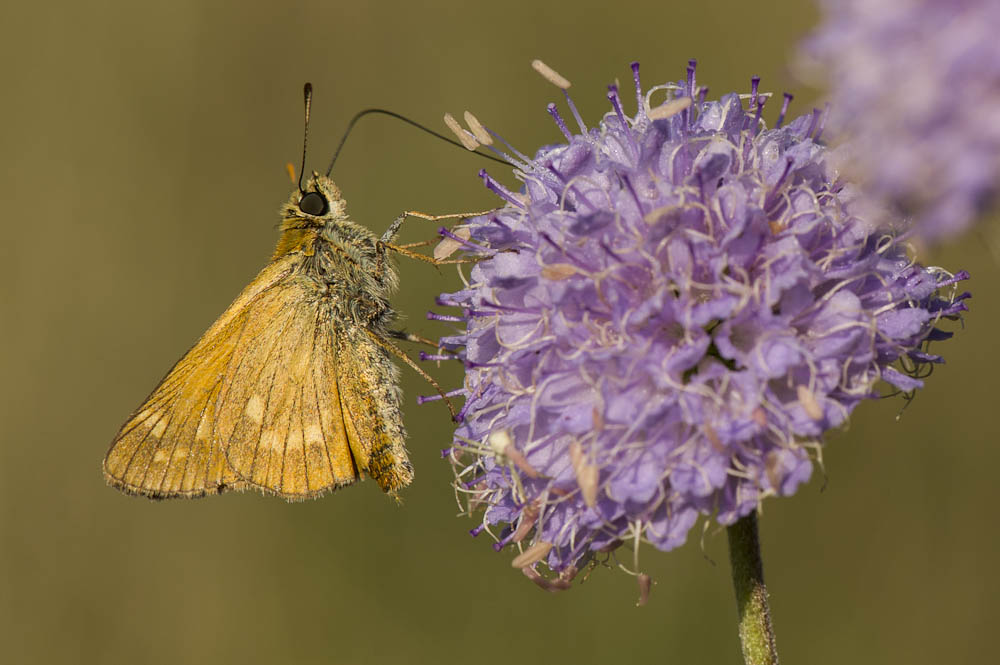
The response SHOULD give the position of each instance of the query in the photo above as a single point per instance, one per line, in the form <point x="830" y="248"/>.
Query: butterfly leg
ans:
<point x="411" y="337"/>
<point x="393" y="229"/>
<point x="393" y="349"/>
<point x="384" y="242"/>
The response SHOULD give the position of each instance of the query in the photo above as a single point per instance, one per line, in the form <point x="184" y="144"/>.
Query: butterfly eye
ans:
<point x="313" y="203"/>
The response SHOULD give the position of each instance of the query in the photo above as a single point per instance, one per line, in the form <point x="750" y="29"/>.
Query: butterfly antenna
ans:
<point x="307" y="93"/>
<point x="397" y="116"/>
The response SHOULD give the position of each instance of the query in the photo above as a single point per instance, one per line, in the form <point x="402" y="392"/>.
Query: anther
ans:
<point x="550" y="75"/>
<point x="670" y="109"/>
<point x="645" y="584"/>
<point x="533" y="554"/>
<point x="451" y="243"/>
<point x="467" y="140"/>
<point x="809" y="403"/>
<point x="477" y="129"/>
<point x="586" y="474"/>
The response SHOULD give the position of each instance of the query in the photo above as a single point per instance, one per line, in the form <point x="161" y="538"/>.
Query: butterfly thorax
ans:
<point x="342" y="259"/>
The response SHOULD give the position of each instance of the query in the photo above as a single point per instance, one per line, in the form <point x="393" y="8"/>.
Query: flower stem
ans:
<point x="756" y="633"/>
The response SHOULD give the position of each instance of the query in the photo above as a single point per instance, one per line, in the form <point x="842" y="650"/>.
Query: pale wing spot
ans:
<point x="314" y="434"/>
<point x="159" y="428"/>
<point x="161" y="455"/>
<point x="204" y="432"/>
<point x="273" y="439"/>
<point x="255" y="409"/>
<point x="144" y="415"/>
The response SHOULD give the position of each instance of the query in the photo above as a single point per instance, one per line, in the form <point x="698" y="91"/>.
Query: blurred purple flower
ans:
<point x="667" y="319"/>
<point x="915" y="86"/>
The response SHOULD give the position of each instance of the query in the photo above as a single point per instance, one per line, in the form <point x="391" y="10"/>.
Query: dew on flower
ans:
<point x="665" y="320"/>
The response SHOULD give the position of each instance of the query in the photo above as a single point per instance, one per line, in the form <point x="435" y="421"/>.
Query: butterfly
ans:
<point x="292" y="390"/>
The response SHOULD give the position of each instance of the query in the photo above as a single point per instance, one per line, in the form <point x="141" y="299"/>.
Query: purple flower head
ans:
<point x="664" y="322"/>
<point x="915" y="86"/>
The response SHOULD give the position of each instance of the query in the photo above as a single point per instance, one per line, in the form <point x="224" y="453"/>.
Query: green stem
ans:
<point x="756" y="633"/>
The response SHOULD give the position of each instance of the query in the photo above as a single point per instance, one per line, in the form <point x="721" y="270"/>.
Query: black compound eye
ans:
<point x="313" y="203"/>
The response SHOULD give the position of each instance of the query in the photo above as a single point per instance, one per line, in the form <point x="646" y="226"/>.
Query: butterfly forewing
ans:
<point x="168" y="447"/>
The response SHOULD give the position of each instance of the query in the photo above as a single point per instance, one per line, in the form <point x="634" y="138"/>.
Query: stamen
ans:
<point x="477" y="129"/>
<point x="525" y="162"/>
<point x="463" y="239"/>
<point x="529" y="516"/>
<point x="822" y="122"/>
<point x="450" y="244"/>
<point x="521" y="462"/>
<point x="692" y="65"/>
<point x="756" y="118"/>
<point x="550" y="75"/>
<point x="434" y="316"/>
<point x="554" y="112"/>
<point x="754" y="83"/>
<point x="505" y="536"/>
<point x="631" y="189"/>
<point x="670" y="109"/>
<point x="576" y="114"/>
<point x="533" y="554"/>
<point x="616" y="103"/>
<point x="559" y="271"/>
<point x="645" y="584"/>
<point x="552" y="586"/>
<point x="500" y="190"/>
<point x="809" y="402"/>
<point x="471" y="484"/>
<point x="467" y="140"/>
<point x="638" y="89"/>
<point x="434" y="357"/>
<point x="814" y="123"/>
<point x="784" y="109"/>
<point x="587" y="474"/>
<point x="499" y="440"/>
<point x="772" y="196"/>
<point x="959" y="276"/>
<point x="477" y="530"/>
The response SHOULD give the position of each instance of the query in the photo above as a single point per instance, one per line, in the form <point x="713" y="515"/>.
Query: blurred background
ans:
<point x="143" y="151"/>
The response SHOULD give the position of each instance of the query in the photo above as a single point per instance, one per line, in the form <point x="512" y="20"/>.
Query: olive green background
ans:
<point x="143" y="149"/>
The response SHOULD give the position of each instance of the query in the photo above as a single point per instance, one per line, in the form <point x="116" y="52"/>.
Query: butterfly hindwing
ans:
<point x="369" y="398"/>
<point x="279" y="417"/>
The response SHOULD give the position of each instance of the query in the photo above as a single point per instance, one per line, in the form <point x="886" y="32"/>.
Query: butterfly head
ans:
<point x="315" y="204"/>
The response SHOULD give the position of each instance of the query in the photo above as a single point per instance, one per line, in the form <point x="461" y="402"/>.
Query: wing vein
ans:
<point x="267" y="403"/>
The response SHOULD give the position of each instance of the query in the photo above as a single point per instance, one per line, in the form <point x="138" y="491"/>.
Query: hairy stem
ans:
<point x="756" y="633"/>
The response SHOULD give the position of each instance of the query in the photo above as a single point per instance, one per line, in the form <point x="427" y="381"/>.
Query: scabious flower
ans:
<point x="916" y="86"/>
<point x="664" y="322"/>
